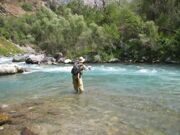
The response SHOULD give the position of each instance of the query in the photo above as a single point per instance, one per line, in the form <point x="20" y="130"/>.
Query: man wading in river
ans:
<point x="77" y="71"/>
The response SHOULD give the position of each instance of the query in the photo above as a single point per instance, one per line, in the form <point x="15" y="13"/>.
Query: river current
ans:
<point x="118" y="99"/>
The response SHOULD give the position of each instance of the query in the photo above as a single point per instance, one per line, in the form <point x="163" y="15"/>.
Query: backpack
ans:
<point x="76" y="69"/>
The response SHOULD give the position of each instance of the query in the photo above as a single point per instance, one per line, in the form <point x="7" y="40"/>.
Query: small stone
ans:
<point x="1" y="127"/>
<point x="4" y="106"/>
<point x="30" y="108"/>
<point x="12" y="111"/>
<point x="4" y="118"/>
<point x="26" y="131"/>
<point x="114" y="118"/>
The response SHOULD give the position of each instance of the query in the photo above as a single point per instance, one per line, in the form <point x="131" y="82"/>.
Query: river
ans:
<point x="119" y="99"/>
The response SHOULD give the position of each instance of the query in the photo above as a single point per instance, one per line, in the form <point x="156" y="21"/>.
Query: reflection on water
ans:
<point x="118" y="100"/>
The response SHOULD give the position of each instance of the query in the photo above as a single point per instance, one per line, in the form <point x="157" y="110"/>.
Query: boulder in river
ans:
<point x="35" y="59"/>
<point x="6" y="69"/>
<point x="67" y="61"/>
<point x="60" y="60"/>
<point x="19" y="58"/>
<point x="58" y="56"/>
<point x="49" y="60"/>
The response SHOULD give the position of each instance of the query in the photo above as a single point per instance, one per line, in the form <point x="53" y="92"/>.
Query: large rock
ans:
<point x="68" y="61"/>
<point x="10" y="69"/>
<point x="59" y="57"/>
<point x="49" y="60"/>
<point x="113" y="60"/>
<point x="61" y="60"/>
<point x="19" y="58"/>
<point x="4" y="118"/>
<point x="35" y="59"/>
<point x="169" y="60"/>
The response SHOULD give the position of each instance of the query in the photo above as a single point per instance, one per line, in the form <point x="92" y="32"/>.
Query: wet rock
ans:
<point x="19" y="58"/>
<point x="26" y="131"/>
<point x="58" y="56"/>
<point x="169" y="60"/>
<point x="67" y="61"/>
<point x="1" y="127"/>
<point x="6" y="69"/>
<point x="113" y="60"/>
<point x="4" y="118"/>
<point x="156" y="61"/>
<point x="49" y="60"/>
<point x="61" y="60"/>
<point x="30" y="108"/>
<point x="35" y="59"/>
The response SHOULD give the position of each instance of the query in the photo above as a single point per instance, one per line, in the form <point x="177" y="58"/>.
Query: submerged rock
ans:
<point x="26" y="131"/>
<point x="6" y="69"/>
<point x="4" y="118"/>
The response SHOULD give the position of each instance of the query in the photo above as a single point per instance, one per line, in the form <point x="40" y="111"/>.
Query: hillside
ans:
<point x="125" y="30"/>
<point x="19" y="7"/>
<point x="7" y="48"/>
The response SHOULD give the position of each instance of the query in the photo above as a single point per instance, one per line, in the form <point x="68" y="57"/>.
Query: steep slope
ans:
<point x="8" y="48"/>
<point x="19" y="7"/>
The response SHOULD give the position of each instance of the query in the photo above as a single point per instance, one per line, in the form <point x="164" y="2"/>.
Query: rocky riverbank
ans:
<point x="52" y="116"/>
<point x="7" y="69"/>
<point x="12" y="66"/>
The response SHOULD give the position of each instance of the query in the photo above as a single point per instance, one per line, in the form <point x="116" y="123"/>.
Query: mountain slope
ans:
<point x="8" y="48"/>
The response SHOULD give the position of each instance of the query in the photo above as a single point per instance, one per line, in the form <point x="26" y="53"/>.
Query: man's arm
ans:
<point x="78" y="75"/>
<point x="86" y="67"/>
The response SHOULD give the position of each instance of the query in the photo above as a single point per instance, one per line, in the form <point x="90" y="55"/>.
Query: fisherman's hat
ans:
<point x="81" y="59"/>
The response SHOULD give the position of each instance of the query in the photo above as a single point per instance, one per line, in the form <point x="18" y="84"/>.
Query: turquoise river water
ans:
<point x="118" y="98"/>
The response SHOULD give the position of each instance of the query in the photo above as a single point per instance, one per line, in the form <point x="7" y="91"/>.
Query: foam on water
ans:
<point x="48" y="69"/>
<point x="147" y="71"/>
<point x="5" y="60"/>
<point x="141" y="96"/>
<point x="57" y="69"/>
<point x="108" y="69"/>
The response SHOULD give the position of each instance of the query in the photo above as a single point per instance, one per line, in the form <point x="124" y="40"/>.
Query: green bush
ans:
<point x="76" y="29"/>
<point x="7" y="48"/>
<point x="27" y="6"/>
